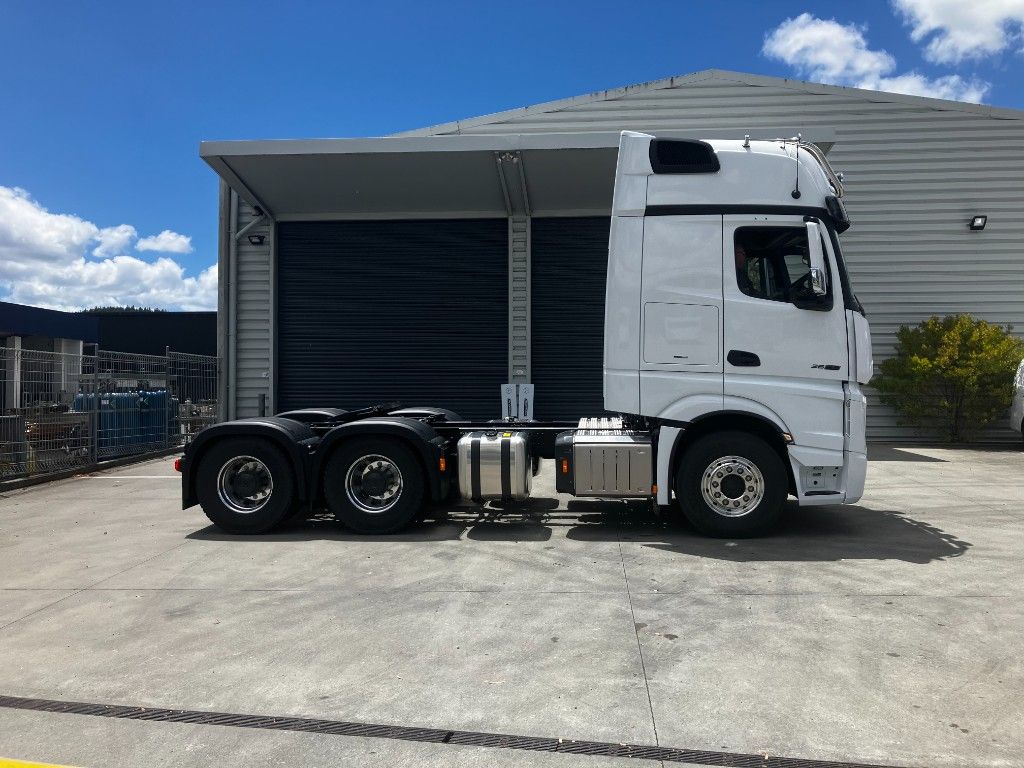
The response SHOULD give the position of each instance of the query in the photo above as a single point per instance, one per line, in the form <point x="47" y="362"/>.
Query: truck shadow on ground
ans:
<point x="896" y="453"/>
<point x="848" y="532"/>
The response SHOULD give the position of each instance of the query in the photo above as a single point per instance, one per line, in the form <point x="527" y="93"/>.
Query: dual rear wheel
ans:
<point x="372" y="485"/>
<point x="245" y="486"/>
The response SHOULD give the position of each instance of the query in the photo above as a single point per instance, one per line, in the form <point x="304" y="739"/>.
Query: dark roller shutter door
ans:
<point x="569" y="257"/>
<point x="372" y="311"/>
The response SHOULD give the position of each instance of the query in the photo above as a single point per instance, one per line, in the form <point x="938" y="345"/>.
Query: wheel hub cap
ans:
<point x="373" y="483"/>
<point x="732" y="486"/>
<point x="244" y="484"/>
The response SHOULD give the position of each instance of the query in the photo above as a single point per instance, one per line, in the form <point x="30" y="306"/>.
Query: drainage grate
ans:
<point x="430" y="735"/>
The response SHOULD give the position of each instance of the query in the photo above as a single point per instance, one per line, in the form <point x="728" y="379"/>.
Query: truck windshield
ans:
<point x="849" y="297"/>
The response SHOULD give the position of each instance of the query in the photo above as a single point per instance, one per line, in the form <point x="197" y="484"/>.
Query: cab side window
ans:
<point x="773" y="263"/>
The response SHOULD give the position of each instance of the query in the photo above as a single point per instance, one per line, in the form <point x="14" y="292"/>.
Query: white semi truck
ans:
<point x="734" y="354"/>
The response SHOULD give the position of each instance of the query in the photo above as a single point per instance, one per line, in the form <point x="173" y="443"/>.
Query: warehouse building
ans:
<point x="26" y="330"/>
<point x="431" y="266"/>
<point x="153" y="333"/>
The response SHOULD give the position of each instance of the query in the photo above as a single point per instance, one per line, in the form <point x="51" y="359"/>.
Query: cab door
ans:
<point x="681" y="315"/>
<point x="785" y="349"/>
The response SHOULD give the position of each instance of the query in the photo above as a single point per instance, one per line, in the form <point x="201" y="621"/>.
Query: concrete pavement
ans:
<point x="883" y="632"/>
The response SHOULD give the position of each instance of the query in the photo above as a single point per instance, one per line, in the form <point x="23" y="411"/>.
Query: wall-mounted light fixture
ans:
<point x="258" y="239"/>
<point x="978" y="223"/>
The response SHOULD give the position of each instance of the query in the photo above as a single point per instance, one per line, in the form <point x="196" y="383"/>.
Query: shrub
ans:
<point x="953" y="373"/>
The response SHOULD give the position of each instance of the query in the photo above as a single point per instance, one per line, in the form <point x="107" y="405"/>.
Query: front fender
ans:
<point x="733" y="404"/>
<point x="684" y="415"/>
<point x="696" y="407"/>
<point x="293" y="438"/>
<point x="427" y="444"/>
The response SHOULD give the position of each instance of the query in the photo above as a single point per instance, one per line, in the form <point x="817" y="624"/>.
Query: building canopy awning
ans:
<point x="458" y="176"/>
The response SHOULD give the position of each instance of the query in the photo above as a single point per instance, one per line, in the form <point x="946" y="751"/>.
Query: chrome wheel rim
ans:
<point x="373" y="483"/>
<point x="732" y="486"/>
<point x="244" y="484"/>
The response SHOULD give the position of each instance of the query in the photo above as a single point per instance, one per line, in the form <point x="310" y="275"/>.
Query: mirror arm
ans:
<point x="817" y="304"/>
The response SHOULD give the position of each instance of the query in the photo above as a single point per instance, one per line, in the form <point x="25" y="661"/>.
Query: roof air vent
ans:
<point x="683" y="156"/>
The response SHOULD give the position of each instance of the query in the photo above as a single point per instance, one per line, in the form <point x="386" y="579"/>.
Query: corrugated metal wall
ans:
<point x="254" y="300"/>
<point x="915" y="171"/>
<point x="519" y="298"/>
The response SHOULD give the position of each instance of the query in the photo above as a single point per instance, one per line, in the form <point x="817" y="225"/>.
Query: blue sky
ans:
<point x="105" y="103"/>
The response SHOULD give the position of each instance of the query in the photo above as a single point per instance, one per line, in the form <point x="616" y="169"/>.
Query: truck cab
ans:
<point x="734" y="354"/>
<point x="729" y="307"/>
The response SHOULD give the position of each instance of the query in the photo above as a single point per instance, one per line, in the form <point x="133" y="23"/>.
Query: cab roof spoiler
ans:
<point x="834" y="179"/>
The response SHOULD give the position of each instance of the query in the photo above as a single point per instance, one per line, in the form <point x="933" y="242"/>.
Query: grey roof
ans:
<point x="723" y="75"/>
<point x="450" y="170"/>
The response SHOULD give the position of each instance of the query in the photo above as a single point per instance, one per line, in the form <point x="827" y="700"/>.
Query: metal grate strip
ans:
<point x="429" y="735"/>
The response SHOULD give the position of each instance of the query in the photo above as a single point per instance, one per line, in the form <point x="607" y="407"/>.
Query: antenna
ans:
<point x="796" y="189"/>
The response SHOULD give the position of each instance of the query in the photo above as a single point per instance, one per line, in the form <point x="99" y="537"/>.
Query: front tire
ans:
<point x="245" y="486"/>
<point x="731" y="485"/>
<point x="374" y="485"/>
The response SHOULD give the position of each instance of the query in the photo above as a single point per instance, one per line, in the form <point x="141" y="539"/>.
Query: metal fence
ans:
<point x="65" y="411"/>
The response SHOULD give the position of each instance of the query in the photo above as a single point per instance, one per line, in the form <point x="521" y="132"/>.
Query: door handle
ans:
<point x="741" y="359"/>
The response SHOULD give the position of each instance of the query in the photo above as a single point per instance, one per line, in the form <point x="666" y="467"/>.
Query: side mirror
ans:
<point x="818" y="273"/>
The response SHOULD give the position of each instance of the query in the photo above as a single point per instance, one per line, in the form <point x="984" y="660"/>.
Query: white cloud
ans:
<point x="958" y="30"/>
<point x="951" y="87"/>
<point x="826" y="49"/>
<point x="43" y="263"/>
<point x="25" y="226"/>
<point x="114" y="240"/>
<point x="166" y="242"/>
<point x="830" y="52"/>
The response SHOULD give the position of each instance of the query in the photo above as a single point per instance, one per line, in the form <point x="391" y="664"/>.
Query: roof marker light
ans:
<point x="978" y="223"/>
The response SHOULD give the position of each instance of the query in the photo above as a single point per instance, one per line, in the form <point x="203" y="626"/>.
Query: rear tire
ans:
<point x="731" y="485"/>
<point x="245" y="486"/>
<point x="374" y="485"/>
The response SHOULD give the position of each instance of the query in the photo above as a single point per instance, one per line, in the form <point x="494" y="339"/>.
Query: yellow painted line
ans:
<point x="6" y="762"/>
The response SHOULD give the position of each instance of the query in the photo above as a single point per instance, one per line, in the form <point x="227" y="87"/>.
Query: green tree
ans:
<point x="953" y="373"/>
<point x="114" y="310"/>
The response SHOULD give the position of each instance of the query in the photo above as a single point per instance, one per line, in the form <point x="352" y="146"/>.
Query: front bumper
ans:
<point x="827" y="477"/>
